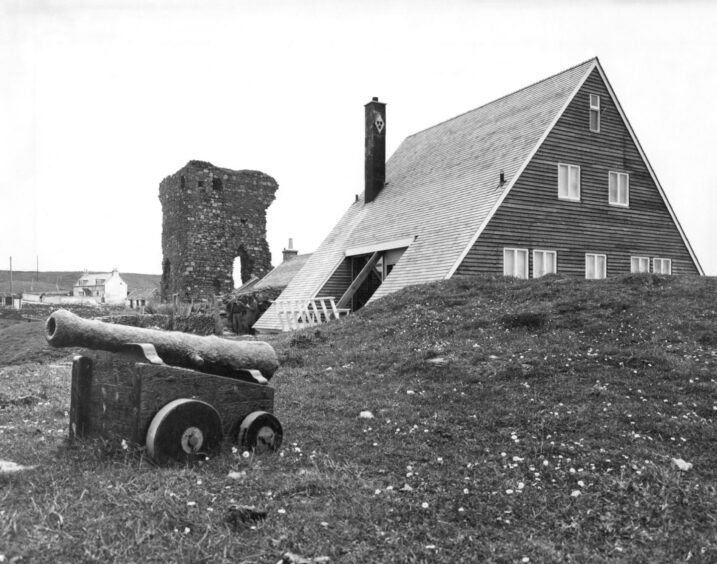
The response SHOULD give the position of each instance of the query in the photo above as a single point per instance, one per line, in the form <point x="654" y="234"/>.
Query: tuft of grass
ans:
<point x="512" y="420"/>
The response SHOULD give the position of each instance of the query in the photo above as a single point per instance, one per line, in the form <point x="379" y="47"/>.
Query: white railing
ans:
<point x="296" y="314"/>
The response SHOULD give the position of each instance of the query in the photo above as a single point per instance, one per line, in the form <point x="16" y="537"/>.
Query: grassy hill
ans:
<point x="513" y="421"/>
<point x="24" y="281"/>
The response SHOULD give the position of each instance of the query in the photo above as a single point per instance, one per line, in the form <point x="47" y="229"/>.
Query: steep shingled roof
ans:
<point x="442" y="186"/>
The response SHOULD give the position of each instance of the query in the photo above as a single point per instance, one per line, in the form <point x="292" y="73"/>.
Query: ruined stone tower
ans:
<point x="210" y="216"/>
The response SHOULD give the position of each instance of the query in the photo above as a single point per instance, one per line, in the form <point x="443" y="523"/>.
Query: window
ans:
<point x="544" y="262"/>
<point x="595" y="113"/>
<point x="569" y="182"/>
<point x="515" y="262"/>
<point x="619" y="189"/>
<point x="99" y="281"/>
<point x="595" y="266"/>
<point x="639" y="264"/>
<point x="661" y="266"/>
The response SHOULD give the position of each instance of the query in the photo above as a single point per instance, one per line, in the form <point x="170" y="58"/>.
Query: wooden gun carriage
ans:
<point x="176" y="393"/>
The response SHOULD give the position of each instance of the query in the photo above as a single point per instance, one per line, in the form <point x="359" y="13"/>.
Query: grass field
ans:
<point x="514" y="421"/>
<point x="26" y="280"/>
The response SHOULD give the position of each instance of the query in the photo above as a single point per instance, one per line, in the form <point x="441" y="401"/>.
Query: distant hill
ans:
<point x="25" y="281"/>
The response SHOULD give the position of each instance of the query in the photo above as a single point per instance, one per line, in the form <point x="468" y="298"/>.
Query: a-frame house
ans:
<point x="548" y="179"/>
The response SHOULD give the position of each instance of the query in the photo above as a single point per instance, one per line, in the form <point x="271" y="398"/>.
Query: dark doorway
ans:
<point x="370" y="285"/>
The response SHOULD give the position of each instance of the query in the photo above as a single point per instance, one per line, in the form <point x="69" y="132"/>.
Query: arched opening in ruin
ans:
<point x="242" y="267"/>
<point x="236" y="272"/>
<point x="164" y="282"/>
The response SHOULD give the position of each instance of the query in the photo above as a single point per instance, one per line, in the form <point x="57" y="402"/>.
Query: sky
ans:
<point x="100" y="100"/>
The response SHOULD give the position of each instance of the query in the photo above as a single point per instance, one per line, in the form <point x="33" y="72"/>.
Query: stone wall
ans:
<point x="210" y="216"/>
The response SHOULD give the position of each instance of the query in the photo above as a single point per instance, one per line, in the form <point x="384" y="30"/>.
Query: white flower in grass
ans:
<point x="581" y="483"/>
<point x="246" y="454"/>
<point x="424" y="505"/>
<point x="509" y="492"/>
<point x="521" y="485"/>
<point x="282" y="511"/>
<point x="575" y="493"/>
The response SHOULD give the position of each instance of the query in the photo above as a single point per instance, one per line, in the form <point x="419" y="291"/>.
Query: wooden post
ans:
<point x="365" y="271"/>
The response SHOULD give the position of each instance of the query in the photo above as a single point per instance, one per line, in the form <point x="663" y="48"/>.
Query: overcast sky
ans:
<point x="99" y="101"/>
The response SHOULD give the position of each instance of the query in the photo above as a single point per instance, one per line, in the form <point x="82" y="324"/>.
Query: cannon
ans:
<point x="179" y="394"/>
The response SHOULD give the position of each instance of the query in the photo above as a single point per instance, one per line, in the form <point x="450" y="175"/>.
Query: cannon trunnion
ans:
<point x="179" y="413"/>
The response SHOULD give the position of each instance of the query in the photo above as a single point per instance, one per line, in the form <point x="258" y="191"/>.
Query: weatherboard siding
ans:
<point x="338" y="283"/>
<point x="532" y="216"/>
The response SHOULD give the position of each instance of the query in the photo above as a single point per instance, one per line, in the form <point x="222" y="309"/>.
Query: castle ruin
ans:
<point x="211" y="216"/>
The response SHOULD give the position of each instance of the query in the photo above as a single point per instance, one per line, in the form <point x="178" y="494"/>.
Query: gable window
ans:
<point x="595" y="113"/>
<point x="639" y="264"/>
<point x="544" y="262"/>
<point x="619" y="189"/>
<point x="515" y="262"/>
<point x="569" y="182"/>
<point x="595" y="266"/>
<point x="661" y="266"/>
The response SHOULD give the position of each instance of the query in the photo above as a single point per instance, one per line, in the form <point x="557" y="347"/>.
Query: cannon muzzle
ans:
<point x="211" y="354"/>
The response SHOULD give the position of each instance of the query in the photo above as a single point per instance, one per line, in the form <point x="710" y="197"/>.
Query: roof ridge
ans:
<point x="504" y="96"/>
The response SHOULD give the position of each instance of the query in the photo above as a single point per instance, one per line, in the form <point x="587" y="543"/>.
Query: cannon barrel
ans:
<point x="210" y="354"/>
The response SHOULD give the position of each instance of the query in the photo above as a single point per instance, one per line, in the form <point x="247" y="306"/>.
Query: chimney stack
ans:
<point x="375" y="162"/>
<point x="290" y="253"/>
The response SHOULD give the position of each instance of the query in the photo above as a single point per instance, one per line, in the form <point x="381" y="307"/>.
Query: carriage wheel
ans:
<point x="184" y="430"/>
<point x="260" y="432"/>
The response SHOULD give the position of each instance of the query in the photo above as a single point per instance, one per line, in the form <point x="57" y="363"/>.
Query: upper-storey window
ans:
<point x="619" y="189"/>
<point x="569" y="182"/>
<point x="594" y="112"/>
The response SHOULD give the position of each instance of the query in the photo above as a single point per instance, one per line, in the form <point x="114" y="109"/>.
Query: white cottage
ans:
<point x="107" y="287"/>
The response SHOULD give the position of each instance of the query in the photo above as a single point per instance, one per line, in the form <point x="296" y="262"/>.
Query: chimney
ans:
<point x="375" y="163"/>
<point x="290" y="253"/>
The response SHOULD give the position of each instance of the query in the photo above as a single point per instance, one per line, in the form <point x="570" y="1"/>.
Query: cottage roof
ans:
<point x="91" y="277"/>
<point x="280" y="276"/>
<point x="442" y="187"/>
<point x="143" y="294"/>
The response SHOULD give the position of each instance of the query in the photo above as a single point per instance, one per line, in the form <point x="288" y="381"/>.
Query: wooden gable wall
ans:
<point x="532" y="216"/>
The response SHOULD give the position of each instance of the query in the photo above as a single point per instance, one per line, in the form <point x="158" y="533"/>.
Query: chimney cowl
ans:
<point x="289" y="253"/>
